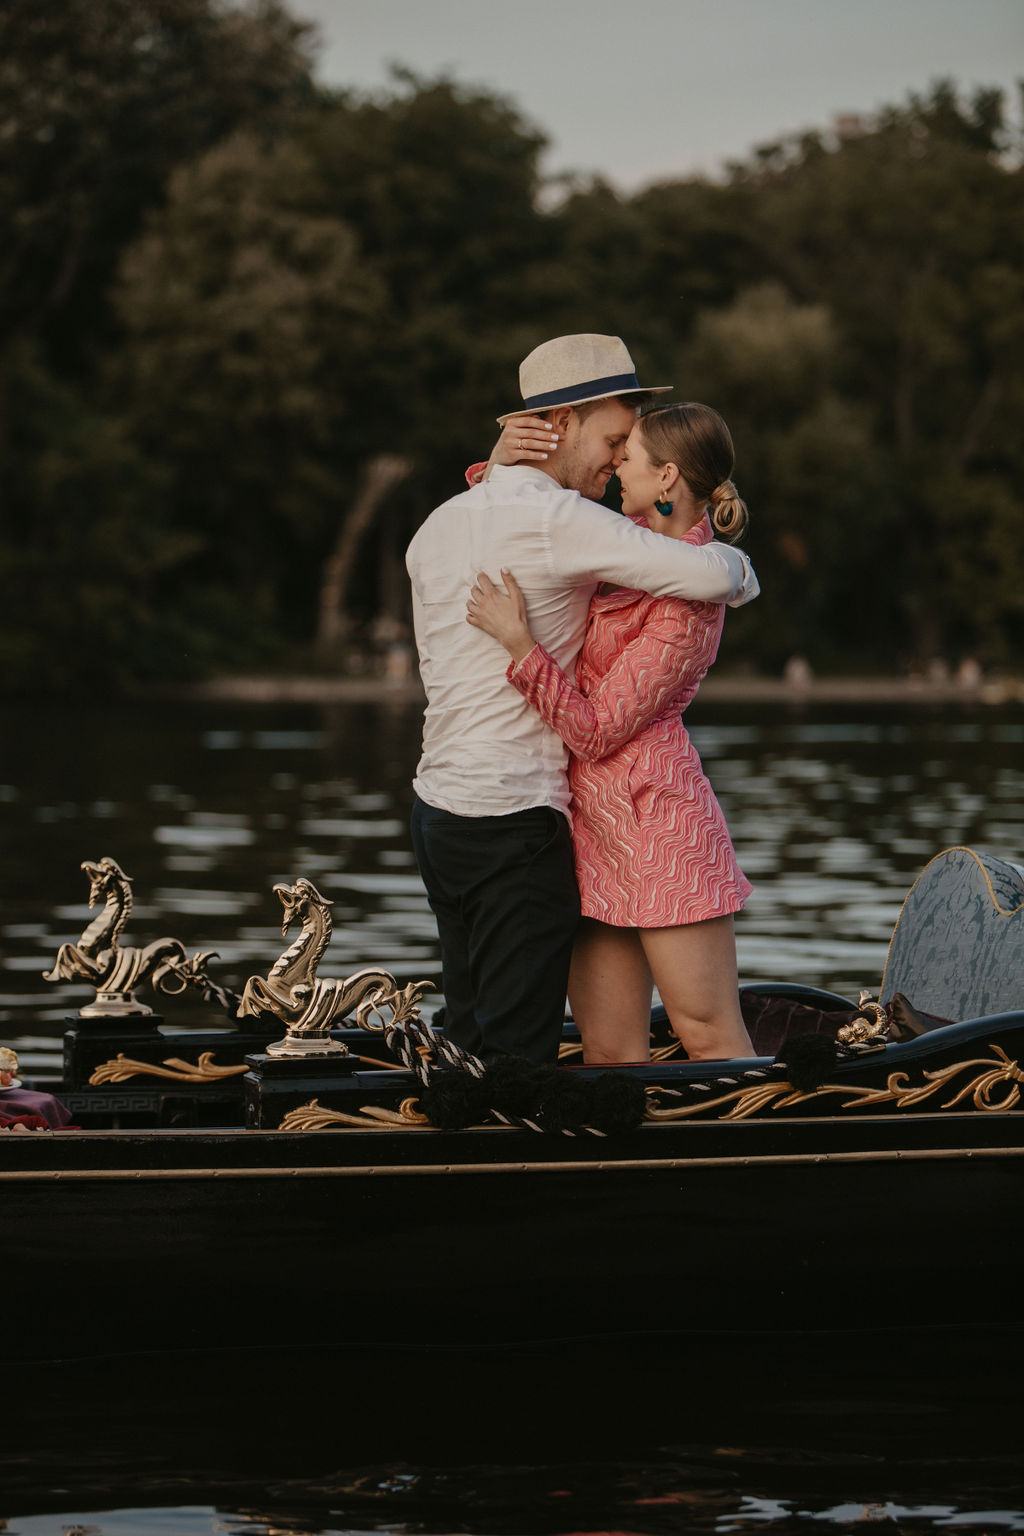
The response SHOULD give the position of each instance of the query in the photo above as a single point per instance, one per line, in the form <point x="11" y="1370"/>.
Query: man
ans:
<point x="490" y="824"/>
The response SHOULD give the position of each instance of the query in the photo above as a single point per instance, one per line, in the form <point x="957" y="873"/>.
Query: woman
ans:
<point x="659" y="883"/>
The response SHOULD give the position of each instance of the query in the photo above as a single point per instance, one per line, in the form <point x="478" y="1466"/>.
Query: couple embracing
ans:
<point x="565" y="832"/>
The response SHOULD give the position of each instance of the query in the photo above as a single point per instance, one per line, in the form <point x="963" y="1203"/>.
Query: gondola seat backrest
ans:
<point x="958" y="946"/>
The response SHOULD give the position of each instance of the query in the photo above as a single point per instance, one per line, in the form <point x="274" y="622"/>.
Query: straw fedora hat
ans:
<point x="573" y="369"/>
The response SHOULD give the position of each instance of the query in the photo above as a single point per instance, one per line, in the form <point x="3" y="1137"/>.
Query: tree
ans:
<point x="99" y="101"/>
<point x="910" y="233"/>
<point x="79" y="566"/>
<point x="251" y="314"/>
<point x="442" y="185"/>
<point x="296" y="314"/>
<point x="807" y="465"/>
<point x="229" y="299"/>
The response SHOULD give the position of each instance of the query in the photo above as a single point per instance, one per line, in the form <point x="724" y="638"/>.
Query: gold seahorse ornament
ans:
<point x="99" y="959"/>
<point x="302" y="1000"/>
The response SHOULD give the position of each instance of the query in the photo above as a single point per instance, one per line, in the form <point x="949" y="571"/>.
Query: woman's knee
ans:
<point x="710" y="1037"/>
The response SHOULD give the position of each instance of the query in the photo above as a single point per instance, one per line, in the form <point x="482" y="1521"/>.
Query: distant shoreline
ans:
<point x="271" y="689"/>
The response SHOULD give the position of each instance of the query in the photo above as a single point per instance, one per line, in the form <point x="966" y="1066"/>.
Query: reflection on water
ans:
<point x="698" y="1491"/>
<point x="833" y="813"/>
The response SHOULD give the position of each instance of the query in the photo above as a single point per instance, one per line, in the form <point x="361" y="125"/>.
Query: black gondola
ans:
<point x="874" y="1188"/>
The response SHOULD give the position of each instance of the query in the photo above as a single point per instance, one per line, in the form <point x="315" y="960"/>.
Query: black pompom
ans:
<point x="512" y="1085"/>
<point x="563" y="1103"/>
<point x="454" y="1100"/>
<point x="808" y="1059"/>
<point x="617" y="1103"/>
<point x="558" y="1100"/>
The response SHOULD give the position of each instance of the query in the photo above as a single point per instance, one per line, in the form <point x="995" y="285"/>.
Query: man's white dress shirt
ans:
<point x="486" y="751"/>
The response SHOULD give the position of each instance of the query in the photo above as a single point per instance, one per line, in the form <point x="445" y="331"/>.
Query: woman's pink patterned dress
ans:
<point x="652" y="846"/>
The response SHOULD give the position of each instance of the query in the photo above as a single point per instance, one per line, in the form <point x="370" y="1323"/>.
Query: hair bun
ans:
<point x="728" y="510"/>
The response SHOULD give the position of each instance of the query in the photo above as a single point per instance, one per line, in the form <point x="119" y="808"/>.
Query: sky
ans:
<point x="669" y="88"/>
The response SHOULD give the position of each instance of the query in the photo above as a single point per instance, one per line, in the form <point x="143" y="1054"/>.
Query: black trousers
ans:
<point x="503" y="890"/>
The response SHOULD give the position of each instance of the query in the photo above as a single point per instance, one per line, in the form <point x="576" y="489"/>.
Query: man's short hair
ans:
<point x="638" y="401"/>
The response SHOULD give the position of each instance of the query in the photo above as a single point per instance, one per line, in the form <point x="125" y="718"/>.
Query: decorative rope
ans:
<point x="698" y="1086"/>
<point x="423" y="1050"/>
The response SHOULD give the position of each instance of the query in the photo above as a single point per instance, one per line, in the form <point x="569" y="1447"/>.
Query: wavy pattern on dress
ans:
<point x="652" y="846"/>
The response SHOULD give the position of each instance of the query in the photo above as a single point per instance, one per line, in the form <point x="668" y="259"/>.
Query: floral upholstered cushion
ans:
<point x="958" y="947"/>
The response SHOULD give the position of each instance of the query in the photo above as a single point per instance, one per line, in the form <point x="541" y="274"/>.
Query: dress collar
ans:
<point x="700" y="533"/>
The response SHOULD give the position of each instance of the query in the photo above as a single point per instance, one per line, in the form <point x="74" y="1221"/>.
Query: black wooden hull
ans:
<point x="769" y="1243"/>
<point x="428" y="1242"/>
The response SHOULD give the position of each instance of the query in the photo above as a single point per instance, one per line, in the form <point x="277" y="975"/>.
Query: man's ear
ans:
<point x="559" y="418"/>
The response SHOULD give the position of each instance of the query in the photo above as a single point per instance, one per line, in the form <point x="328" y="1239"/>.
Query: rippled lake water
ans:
<point x="833" y="811"/>
<point x="833" y="814"/>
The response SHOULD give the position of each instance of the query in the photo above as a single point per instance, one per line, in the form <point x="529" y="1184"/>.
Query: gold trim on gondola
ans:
<point x="313" y="1117"/>
<point x="739" y="1104"/>
<point x="898" y="1090"/>
<point x="177" y="1071"/>
<point x="225" y="1173"/>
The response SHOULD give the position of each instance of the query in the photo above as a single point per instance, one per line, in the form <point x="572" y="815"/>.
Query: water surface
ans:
<point x="833" y="813"/>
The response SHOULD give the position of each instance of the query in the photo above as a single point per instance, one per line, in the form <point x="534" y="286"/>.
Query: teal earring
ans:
<point x="664" y="507"/>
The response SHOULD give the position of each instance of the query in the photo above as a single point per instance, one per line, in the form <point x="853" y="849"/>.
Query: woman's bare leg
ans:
<point x="695" y="968"/>
<point x="610" y="993"/>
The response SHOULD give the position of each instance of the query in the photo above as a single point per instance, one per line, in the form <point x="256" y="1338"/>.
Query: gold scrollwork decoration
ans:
<point x="177" y="1071"/>
<point x="982" y="1089"/>
<point x="313" y="1117"/>
<point x="403" y="1003"/>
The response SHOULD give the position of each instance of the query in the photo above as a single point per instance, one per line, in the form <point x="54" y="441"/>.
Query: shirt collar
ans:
<point x="524" y="471"/>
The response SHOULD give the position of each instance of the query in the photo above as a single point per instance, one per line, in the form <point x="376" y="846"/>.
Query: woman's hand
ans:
<point x="501" y="612"/>
<point x="525" y="439"/>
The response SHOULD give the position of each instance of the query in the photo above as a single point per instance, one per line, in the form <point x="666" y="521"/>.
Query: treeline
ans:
<point x="252" y="330"/>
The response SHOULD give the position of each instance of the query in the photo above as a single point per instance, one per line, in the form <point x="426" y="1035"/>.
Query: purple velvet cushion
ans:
<point x="21" y="1101"/>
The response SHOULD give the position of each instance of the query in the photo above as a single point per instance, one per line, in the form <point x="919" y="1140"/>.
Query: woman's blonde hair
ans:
<point x="697" y="441"/>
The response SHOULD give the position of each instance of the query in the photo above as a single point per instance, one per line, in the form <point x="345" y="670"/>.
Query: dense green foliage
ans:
<point x="224" y="293"/>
